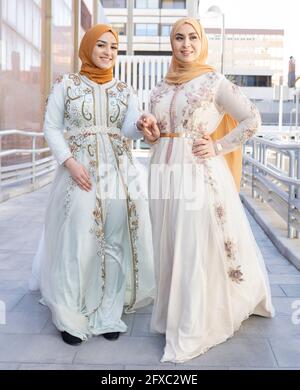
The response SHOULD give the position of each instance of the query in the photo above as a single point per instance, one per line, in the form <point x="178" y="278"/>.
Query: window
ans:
<point x="251" y="81"/>
<point x="12" y="12"/>
<point x="151" y="4"/>
<point x="174" y="4"/>
<point x="149" y="29"/>
<point x="120" y="28"/>
<point x="114" y="3"/>
<point x="166" y="30"/>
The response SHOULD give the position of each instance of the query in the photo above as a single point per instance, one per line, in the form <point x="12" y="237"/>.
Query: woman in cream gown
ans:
<point x="96" y="256"/>
<point x="210" y="273"/>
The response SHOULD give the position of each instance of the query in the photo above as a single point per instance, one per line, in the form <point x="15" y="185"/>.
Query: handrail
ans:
<point x="28" y="173"/>
<point x="272" y="172"/>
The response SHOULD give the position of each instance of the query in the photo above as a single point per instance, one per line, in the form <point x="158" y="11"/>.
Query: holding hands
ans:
<point x="147" y="123"/>
<point x="204" y="147"/>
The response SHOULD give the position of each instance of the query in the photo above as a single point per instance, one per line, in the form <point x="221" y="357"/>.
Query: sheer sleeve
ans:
<point x="230" y="99"/>
<point x="54" y="124"/>
<point x="129" y="128"/>
<point x="151" y="111"/>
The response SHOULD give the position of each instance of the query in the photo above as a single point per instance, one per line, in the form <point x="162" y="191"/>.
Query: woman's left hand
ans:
<point x="204" y="147"/>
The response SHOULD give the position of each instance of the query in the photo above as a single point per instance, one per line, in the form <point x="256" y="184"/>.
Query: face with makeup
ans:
<point x="105" y="51"/>
<point x="186" y="44"/>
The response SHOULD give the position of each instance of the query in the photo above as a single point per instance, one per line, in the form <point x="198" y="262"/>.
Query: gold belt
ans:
<point x="174" y="135"/>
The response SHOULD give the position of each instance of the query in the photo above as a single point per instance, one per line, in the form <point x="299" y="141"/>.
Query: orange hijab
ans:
<point x="88" y="68"/>
<point x="180" y="72"/>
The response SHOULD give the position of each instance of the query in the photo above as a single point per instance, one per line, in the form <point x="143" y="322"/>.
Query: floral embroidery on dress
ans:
<point x="79" y="103"/>
<point x="120" y="147"/>
<point x="59" y="79"/>
<point x="71" y="185"/>
<point x="236" y="275"/>
<point x="220" y="212"/>
<point x="246" y="130"/>
<point x="245" y="135"/>
<point x="133" y="221"/>
<point x="158" y="93"/>
<point x="199" y="98"/>
<point x="98" y="231"/>
<point x="75" y="78"/>
<point x="162" y="124"/>
<point x="230" y="249"/>
<point x="117" y="104"/>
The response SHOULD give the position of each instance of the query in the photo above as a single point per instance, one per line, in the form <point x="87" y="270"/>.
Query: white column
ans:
<point x="280" y="107"/>
<point x="130" y="27"/>
<point x="193" y="8"/>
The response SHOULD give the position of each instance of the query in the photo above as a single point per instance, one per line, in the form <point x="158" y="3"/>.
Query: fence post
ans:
<point x="291" y="230"/>
<point x="254" y="155"/>
<point x="33" y="159"/>
<point x="0" y="162"/>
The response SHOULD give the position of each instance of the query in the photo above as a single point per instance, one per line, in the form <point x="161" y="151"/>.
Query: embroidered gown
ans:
<point x="210" y="273"/>
<point x="96" y="256"/>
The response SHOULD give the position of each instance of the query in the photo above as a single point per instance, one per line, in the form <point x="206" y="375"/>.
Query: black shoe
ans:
<point x="111" y="335"/>
<point x="70" y="339"/>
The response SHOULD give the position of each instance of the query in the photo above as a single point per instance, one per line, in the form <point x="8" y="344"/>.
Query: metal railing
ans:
<point x="272" y="172"/>
<point x="27" y="173"/>
<point x="142" y="73"/>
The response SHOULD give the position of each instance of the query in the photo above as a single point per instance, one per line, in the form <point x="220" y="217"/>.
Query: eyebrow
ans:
<point x="182" y="35"/>
<point x="113" y="43"/>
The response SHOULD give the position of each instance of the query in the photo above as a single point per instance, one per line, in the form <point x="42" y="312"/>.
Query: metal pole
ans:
<point x="95" y="12"/>
<point x="0" y="163"/>
<point x="291" y="230"/>
<point x="223" y="43"/>
<point x="76" y="23"/>
<point x="254" y="155"/>
<point x="280" y="107"/>
<point x="33" y="160"/>
<point x="297" y="107"/>
<point x="46" y="71"/>
<point x="298" y="177"/>
<point x="130" y="28"/>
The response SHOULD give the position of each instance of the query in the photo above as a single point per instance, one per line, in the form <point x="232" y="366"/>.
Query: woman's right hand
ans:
<point x="79" y="174"/>
<point x="147" y="123"/>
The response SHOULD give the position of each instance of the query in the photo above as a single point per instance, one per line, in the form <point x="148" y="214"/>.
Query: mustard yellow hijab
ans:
<point x="181" y="72"/>
<point x="88" y="68"/>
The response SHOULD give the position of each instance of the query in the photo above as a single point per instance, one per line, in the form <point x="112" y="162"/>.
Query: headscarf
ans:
<point x="182" y="72"/>
<point x="88" y="68"/>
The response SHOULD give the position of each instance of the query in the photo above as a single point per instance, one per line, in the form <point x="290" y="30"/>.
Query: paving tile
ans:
<point x="257" y="326"/>
<point x="276" y="260"/>
<point x="10" y="299"/>
<point x="17" y="286"/>
<point x="66" y="367"/>
<point x="277" y="291"/>
<point x="141" y="325"/>
<point x="128" y="319"/>
<point x="237" y="352"/>
<point x="9" y="366"/>
<point x="126" y="350"/>
<point x="286" y="350"/>
<point x="282" y="269"/>
<point x="283" y="305"/>
<point x="24" y="322"/>
<point x="35" y="349"/>
<point x="30" y="303"/>
<point x="291" y="290"/>
<point x="284" y="279"/>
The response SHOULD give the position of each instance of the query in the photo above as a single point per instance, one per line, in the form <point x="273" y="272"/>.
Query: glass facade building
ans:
<point x="37" y="41"/>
